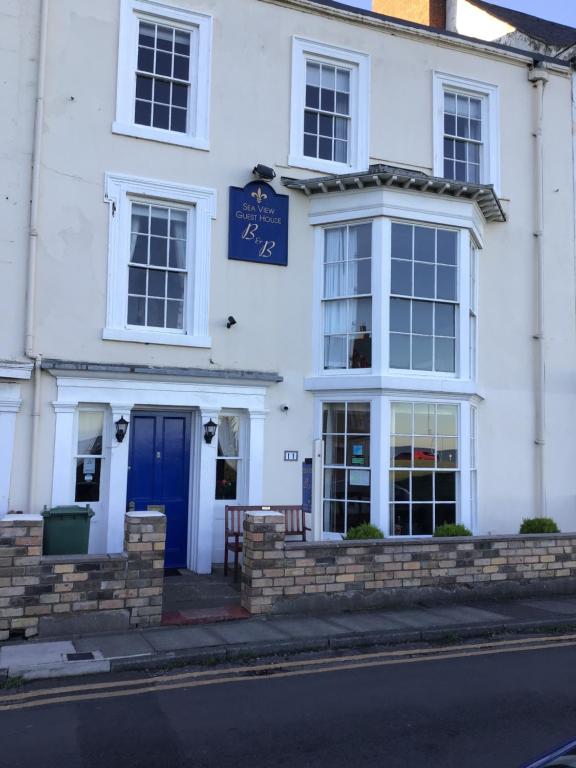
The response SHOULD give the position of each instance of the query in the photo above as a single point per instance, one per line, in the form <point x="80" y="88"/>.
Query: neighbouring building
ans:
<point x="396" y="304"/>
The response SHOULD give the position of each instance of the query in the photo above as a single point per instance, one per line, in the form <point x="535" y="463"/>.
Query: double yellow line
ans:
<point x="258" y="672"/>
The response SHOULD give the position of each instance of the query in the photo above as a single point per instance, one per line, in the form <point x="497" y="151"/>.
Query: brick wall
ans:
<point x="34" y="588"/>
<point x="285" y="577"/>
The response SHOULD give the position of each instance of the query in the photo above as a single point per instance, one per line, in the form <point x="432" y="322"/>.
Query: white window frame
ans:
<point x="490" y="97"/>
<point x="359" y="142"/>
<point x="120" y="192"/>
<point x="131" y="12"/>
<point x="382" y="208"/>
<point x="380" y="444"/>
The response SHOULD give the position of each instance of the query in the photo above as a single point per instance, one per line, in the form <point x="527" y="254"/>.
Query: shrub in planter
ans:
<point x="539" y="525"/>
<point x="364" y="531"/>
<point x="452" y="529"/>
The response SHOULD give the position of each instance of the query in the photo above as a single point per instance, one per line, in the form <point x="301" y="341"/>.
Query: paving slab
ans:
<point x="183" y="637"/>
<point x="35" y="653"/>
<point x="563" y="607"/>
<point x="365" y="623"/>
<point x="307" y="626"/>
<point x="40" y="661"/>
<point x="462" y="614"/>
<point x="248" y="632"/>
<point x="115" y="646"/>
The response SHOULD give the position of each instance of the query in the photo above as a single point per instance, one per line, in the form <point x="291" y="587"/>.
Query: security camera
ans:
<point x="283" y="408"/>
<point x="264" y="172"/>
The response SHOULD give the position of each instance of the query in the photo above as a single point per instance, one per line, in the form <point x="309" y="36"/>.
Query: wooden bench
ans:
<point x="295" y="517"/>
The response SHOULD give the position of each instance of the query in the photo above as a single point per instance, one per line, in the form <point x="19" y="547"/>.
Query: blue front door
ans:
<point x="159" y="474"/>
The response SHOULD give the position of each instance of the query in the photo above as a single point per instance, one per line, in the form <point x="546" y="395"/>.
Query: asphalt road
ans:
<point x="461" y="708"/>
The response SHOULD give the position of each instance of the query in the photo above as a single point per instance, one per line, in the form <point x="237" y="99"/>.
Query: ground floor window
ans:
<point x="424" y="467"/>
<point x="89" y="455"/>
<point x="346" y="433"/>
<point x="229" y="460"/>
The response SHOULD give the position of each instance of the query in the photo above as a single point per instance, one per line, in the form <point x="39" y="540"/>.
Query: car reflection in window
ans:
<point x="564" y="757"/>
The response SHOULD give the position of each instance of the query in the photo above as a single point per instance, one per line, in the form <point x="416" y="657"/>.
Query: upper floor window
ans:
<point x="347" y="299"/>
<point x="330" y="108"/>
<point x="423" y="298"/>
<point x="158" y="263"/>
<point x="466" y="130"/>
<point x="163" y="74"/>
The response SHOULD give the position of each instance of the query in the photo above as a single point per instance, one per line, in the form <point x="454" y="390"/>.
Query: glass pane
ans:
<point x="226" y="479"/>
<point x="162" y="91"/>
<point x="325" y="149"/>
<point x="137" y="281"/>
<point x="424" y="452"/>
<point x="161" y="117"/>
<point x="335" y="280"/>
<point x="476" y="130"/>
<point x="175" y="314"/>
<point x="450" y="102"/>
<point x="446" y="283"/>
<point x="334" y="449"/>
<point x="178" y="120"/>
<point x="422" y="524"/>
<point x="310" y="148"/>
<point x="182" y="67"/>
<point x="341" y="128"/>
<point x="424" y="419"/>
<point x="139" y="249"/>
<point x="359" y="418"/>
<point x="400" y="315"/>
<point x="422" y="323"/>
<point x="402" y="241"/>
<point x="88" y="479"/>
<point x="424" y="243"/>
<point x="444" y="355"/>
<point x="326" y="126"/>
<point x="335" y="483"/>
<point x="175" y="285"/>
<point x="360" y="242"/>
<point x="178" y="223"/>
<point x="447" y="420"/>
<point x="424" y="280"/>
<point x="90" y="426"/>
<point x="357" y="514"/>
<point x="399" y="351"/>
<point x="445" y="486"/>
<point x="358" y="451"/>
<point x="359" y="276"/>
<point x="312" y="97"/>
<point x="155" y="317"/>
<point x="402" y="277"/>
<point x="448" y="453"/>
<point x="445" y="514"/>
<point x="146" y="34"/>
<point x="136" y="311"/>
<point x="228" y="434"/>
<point x="358" y="485"/>
<point x="360" y="315"/>
<point x="360" y="351"/>
<point x="400" y="486"/>
<point x="334" y="516"/>
<point x="422" y="486"/>
<point x="343" y="80"/>
<point x="343" y="106"/>
<point x="335" y="352"/>
<point x="401" y="451"/>
<point x="400" y="519"/>
<point x="334" y="244"/>
<point x="329" y="77"/>
<point x="312" y="73"/>
<point x="182" y="42"/>
<point x="156" y="283"/>
<point x="340" y="151"/>
<point x="444" y="320"/>
<point x="158" y="251"/>
<point x="450" y="125"/>
<point x="402" y="419"/>
<point x="310" y="122"/>
<point x="327" y="100"/>
<point x="334" y="418"/>
<point x="144" y="87"/>
<point x="422" y="353"/>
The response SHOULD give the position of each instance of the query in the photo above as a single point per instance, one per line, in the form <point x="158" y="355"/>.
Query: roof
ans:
<point x="391" y="176"/>
<point x="546" y="31"/>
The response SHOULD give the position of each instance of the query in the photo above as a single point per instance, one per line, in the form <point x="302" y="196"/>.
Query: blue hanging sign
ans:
<point x="258" y="225"/>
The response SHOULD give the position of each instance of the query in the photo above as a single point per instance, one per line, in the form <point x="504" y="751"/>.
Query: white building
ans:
<point x="419" y="344"/>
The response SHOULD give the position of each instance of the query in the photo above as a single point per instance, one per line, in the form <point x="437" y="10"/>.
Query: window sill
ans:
<point x="436" y="386"/>
<point x="325" y="166"/>
<point x="156" y="337"/>
<point x="164" y="137"/>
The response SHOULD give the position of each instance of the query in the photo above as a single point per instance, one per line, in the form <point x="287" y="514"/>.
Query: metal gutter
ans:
<point x="410" y="29"/>
<point x="264" y="377"/>
<point x="390" y="176"/>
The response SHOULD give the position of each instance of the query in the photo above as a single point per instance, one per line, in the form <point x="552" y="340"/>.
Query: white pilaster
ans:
<point x="256" y="457"/>
<point x="64" y="452"/>
<point x="118" y="479"/>
<point x="9" y="406"/>
<point x="203" y="521"/>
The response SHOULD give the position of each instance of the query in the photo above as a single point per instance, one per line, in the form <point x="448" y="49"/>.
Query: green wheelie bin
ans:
<point x="66" y="530"/>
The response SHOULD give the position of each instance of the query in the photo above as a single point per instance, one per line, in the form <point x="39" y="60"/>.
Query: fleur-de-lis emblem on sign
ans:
<point x="259" y="195"/>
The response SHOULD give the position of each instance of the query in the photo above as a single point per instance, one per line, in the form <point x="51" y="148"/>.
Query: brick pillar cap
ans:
<point x="22" y="519"/>
<point x="145" y="514"/>
<point x="264" y="513"/>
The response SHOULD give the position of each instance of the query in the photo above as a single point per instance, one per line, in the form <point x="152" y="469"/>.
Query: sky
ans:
<point x="562" y="11"/>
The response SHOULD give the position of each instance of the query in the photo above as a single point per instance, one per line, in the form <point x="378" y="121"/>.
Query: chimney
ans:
<point x="430" y="13"/>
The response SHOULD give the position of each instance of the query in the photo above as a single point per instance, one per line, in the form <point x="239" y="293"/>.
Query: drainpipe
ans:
<point x="452" y="15"/>
<point x="538" y="75"/>
<point x="29" y="340"/>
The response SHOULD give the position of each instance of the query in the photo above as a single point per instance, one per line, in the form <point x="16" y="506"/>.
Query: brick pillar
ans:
<point x="263" y="560"/>
<point x="20" y="551"/>
<point x="145" y="541"/>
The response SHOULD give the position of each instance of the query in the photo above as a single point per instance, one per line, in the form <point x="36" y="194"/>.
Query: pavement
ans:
<point x="264" y="636"/>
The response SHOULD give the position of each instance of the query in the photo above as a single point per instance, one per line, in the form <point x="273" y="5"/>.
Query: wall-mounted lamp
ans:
<point x="264" y="172"/>
<point x="209" y="431"/>
<point x="230" y="322"/>
<point x="121" y="428"/>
